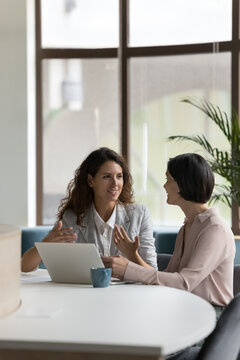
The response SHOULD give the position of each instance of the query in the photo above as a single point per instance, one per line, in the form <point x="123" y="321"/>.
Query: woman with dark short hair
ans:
<point x="202" y="261"/>
<point x="99" y="202"/>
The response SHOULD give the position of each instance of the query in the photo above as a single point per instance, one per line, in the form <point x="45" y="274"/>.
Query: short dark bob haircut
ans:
<point x="80" y="195"/>
<point x="193" y="175"/>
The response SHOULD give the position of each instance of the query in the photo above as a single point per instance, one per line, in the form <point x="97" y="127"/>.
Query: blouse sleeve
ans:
<point x="206" y="256"/>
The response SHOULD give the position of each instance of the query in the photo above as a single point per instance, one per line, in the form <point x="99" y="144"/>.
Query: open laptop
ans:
<point x="69" y="263"/>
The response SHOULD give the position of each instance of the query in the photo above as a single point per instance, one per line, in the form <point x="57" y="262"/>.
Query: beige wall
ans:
<point x="13" y="112"/>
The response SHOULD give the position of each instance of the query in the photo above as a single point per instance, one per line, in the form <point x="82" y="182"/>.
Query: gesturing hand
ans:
<point x="59" y="234"/>
<point x="128" y="247"/>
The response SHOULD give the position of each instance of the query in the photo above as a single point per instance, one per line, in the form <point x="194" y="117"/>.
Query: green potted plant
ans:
<point x="224" y="163"/>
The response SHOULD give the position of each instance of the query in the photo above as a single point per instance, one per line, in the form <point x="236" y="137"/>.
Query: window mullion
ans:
<point x="39" y="134"/>
<point x="235" y="93"/>
<point x="123" y="77"/>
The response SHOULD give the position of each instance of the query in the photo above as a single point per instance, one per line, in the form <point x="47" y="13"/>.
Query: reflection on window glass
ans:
<point x="172" y="22"/>
<point x="157" y="86"/>
<point x="80" y="114"/>
<point x="79" y="23"/>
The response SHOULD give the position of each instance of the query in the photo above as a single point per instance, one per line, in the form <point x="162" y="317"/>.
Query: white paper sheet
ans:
<point x="35" y="276"/>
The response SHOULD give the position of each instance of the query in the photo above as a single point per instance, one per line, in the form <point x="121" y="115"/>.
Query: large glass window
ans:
<point x="79" y="23"/>
<point x="157" y="86"/>
<point x="80" y="113"/>
<point x="96" y="90"/>
<point x="172" y="22"/>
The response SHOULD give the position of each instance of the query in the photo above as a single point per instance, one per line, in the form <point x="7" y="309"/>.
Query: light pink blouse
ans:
<point x="204" y="266"/>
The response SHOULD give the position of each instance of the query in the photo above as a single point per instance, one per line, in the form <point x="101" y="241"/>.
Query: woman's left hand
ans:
<point x="128" y="247"/>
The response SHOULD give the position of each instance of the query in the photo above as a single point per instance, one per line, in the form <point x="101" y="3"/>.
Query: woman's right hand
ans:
<point x="60" y="234"/>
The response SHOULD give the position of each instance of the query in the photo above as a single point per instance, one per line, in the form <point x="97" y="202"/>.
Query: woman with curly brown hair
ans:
<point x="98" y="207"/>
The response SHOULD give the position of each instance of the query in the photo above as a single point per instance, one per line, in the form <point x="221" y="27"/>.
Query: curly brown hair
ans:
<point x="80" y="195"/>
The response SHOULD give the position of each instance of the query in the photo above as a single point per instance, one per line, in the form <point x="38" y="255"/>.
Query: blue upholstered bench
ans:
<point x="165" y="237"/>
<point x="30" y="235"/>
<point x="237" y="256"/>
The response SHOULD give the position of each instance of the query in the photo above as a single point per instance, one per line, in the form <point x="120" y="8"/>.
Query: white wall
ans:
<point x="13" y="112"/>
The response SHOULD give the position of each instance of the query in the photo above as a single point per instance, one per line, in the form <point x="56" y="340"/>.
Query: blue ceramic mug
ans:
<point x="101" y="276"/>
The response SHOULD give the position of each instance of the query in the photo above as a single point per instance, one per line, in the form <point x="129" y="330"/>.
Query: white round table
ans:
<point x="133" y="319"/>
<point x="10" y="254"/>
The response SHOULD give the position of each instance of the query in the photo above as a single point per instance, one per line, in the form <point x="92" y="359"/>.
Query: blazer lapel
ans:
<point x="87" y="229"/>
<point x="122" y="218"/>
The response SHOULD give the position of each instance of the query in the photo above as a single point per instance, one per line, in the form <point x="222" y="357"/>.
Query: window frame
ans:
<point x="124" y="53"/>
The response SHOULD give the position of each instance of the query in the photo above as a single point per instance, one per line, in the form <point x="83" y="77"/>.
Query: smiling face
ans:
<point x="107" y="184"/>
<point x="172" y="190"/>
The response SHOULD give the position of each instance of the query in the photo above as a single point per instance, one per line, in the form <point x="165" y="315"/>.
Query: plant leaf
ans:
<point x="223" y="163"/>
